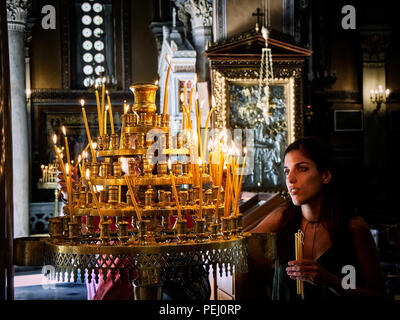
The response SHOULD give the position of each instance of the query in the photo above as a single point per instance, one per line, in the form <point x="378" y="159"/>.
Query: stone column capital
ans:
<point x="200" y="11"/>
<point x="17" y="14"/>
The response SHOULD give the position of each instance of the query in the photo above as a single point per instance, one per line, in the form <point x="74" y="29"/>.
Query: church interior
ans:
<point x="267" y="72"/>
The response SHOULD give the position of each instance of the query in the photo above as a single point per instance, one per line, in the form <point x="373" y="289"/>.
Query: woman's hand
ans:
<point x="310" y="271"/>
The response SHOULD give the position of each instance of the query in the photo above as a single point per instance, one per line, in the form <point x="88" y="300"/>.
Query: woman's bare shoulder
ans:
<point x="357" y="224"/>
<point x="271" y="222"/>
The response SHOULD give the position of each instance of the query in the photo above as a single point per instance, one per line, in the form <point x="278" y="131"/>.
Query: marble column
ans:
<point x="200" y="12"/>
<point x="17" y="17"/>
<point x="374" y="43"/>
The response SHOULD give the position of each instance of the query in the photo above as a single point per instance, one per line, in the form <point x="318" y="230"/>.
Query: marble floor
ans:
<point x="30" y="284"/>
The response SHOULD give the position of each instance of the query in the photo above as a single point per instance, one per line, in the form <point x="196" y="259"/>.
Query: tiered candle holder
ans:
<point x="152" y="225"/>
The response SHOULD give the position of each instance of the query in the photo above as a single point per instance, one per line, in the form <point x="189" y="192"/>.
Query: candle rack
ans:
<point x="155" y="235"/>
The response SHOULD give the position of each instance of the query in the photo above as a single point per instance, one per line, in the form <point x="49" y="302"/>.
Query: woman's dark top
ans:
<point x="341" y="253"/>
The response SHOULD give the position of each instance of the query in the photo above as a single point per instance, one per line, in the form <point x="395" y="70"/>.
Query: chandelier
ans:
<point x="266" y="75"/>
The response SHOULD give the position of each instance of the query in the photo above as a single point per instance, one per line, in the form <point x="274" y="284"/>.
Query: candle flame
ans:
<point x="245" y="150"/>
<point x="213" y="101"/>
<point x="79" y="158"/>
<point x="169" y="164"/>
<point x="210" y="144"/>
<point x="106" y="92"/>
<point x="182" y="97"/>
<point x="67" y="169"/>
<point x="104" y="80"/>
<point x="197" y="95"/>
<point x="87" y="174"/>
<point x="156" y="82"/>
<point x="107" y="107"/>
<point x="200" y="161"/>
<point x="168" y="59"/>
<point x="64" y="131"/>
<point x="54" y="139"/>
<point x="82" y="103"/>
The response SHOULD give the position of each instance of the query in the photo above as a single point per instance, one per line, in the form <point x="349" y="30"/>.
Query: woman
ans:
<point x="333" y="235"/>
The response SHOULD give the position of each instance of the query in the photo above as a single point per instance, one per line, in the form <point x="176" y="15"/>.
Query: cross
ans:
<point x="258" y="14"/>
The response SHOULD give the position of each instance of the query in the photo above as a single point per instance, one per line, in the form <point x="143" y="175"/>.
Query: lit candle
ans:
<point x="166" y="87"/>
<point x="88" y="132"/>
<point x="79" y="164"/>
<point x="125" y="108"/>
<point x="178" y="208"/>
<point x="102" y="99"/>
<point x="66" y="145"/>
<point x="98" y="108"/>
<point x="105" y="120"/>
<point x="59" y="155"/>
<point x="111" y="115"/>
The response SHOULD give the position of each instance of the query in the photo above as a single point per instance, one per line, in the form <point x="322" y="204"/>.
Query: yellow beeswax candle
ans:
<point x="111" y="115"/>
<point x="166" y="88"/>
<point x="88" y="135"/>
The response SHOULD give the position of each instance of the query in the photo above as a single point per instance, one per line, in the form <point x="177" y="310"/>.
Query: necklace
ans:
<point x="315" y="232"/>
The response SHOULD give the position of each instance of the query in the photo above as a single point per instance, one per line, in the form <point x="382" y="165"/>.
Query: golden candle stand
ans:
<point x="144" y="247"/>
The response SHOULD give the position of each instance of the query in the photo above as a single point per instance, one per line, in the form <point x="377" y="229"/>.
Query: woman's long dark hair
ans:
<point x="335" y="209"/>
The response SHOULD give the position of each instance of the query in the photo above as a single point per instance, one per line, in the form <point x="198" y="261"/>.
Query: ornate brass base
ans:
<point x="148" y="292"/>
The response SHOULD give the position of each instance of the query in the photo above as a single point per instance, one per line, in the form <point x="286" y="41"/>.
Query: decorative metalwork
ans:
<point x="142" y="264"/>
<point x="266" y="76"/>
<point x="146" y="246"/>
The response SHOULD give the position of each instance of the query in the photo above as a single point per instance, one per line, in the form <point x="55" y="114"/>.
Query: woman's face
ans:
<point x="303" y="180"/>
